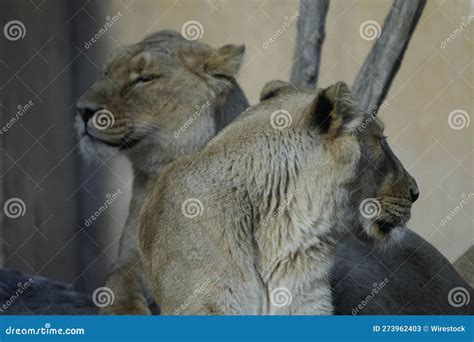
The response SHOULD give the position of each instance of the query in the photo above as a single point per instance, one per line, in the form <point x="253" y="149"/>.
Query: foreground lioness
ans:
<point x="245" y="226"/>
<point x="157" y="100"/>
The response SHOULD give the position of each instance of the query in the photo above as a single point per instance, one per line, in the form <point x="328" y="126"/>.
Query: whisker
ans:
<point x="399" y="210"/>
<point x="396" y="213"/>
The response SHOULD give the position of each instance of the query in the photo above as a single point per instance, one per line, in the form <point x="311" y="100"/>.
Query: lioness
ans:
<point x="245" y="226"/>
<point x="156" y="100"/>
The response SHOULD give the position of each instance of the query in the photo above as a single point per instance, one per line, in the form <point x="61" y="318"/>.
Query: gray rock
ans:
<point x="24" y="295"/>
<point x="419" y="279"/>
<point x="465" y="266"/>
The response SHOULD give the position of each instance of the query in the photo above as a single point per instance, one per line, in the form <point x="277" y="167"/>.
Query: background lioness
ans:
<point x="156" y="100"/>
<point x="246" y="225"/>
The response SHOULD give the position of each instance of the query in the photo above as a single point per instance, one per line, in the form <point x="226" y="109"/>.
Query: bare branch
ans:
<point x="309" y="41"/>
<point x="381" y="65"/>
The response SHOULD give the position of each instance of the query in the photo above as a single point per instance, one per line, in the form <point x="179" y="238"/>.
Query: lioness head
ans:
<point x="381" y="190"/>
<point x="160" y="98"/>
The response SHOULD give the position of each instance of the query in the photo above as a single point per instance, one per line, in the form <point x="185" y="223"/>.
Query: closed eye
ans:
<point x="146" y="78"/>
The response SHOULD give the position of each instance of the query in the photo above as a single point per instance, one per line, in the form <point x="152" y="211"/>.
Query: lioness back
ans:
<point x="156" y="100"/>
<point x="246" y="225"/>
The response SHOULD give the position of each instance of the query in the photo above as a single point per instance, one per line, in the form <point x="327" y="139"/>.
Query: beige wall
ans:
<point x="431" y="83"/>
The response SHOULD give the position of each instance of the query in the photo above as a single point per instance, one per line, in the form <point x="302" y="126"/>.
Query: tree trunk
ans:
<point x="309" y="42"/>
<point x="381" y="65"/>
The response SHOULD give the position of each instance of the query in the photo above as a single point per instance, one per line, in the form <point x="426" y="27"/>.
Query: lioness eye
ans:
<point x="146" y="78"/>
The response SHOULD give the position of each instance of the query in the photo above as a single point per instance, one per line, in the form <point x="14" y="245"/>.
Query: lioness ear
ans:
<point x="274" y="88"/>
<point x="159" y="36"/>
<point x="332" y="108"/>
<point x="226" y="61"/>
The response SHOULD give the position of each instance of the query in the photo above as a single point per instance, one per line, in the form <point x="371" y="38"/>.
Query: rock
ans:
<point x="465" y="266"/>
<point x="409" y="277"/>
<point x="25" y="295"/>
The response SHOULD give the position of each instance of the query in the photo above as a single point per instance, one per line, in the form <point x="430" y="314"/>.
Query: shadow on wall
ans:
<point x="49" y="189"/>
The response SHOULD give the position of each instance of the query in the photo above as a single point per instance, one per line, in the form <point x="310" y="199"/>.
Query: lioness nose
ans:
<point x="86" y="113"/>
<point x="414" y="194"/>
<point x="413" y="187"/>
<point x="86" y="109"/>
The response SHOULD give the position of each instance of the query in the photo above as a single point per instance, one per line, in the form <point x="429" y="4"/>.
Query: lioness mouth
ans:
<point x="124" y="143"/>
<point x="386" y="226"/>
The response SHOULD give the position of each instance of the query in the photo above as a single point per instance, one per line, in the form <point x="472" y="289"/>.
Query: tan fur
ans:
<point x="266" y="204"/>
<point x="165" y="95"/>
